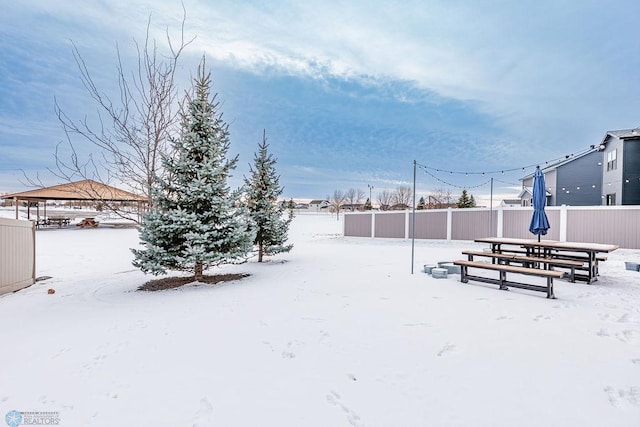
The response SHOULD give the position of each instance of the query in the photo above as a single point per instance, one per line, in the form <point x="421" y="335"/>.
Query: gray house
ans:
<point x="621" y="167"/>
<point x="575" y="181"/>
<point x="607" y="175"/>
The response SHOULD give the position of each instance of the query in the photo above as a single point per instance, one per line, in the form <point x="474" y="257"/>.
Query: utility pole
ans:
<point x="370" y="188"/>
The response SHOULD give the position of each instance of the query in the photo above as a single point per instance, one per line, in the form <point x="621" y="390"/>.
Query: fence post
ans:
<point x="33" y="242"/>
<point x="500" y="222"/>
<point x="406" y="224"/>
<point x="373" y="224"/>
<point x="449" y="223"/>
<point x="563" y="223"/>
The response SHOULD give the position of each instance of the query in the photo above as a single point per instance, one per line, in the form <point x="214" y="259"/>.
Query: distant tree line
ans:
<point x="399" y="199"/>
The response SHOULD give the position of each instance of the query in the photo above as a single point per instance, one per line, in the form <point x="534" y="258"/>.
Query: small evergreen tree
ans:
<point x="422" y="204"/>
<point x="196" y="220"/>
<point x="465" y="201"/>
<point x="263" y="189"/>
<point x="367" y="205"/>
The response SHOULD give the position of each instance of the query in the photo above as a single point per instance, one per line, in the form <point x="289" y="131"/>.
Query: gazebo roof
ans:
<point x="80" y="190"/>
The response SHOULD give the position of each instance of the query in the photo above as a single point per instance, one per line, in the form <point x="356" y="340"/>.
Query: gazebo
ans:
<point x="87" y="190"/>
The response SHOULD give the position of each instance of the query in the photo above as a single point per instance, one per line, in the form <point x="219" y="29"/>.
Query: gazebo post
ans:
<point x="28" y="209"/>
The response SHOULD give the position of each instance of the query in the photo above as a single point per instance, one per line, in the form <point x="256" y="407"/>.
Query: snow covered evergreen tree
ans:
<point x="263" y="189"/>
<point x="464" y="201"/>
<point x="196" y="221"/>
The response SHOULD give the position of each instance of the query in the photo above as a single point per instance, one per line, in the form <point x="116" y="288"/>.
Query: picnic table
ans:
<point x="587" y="252"/>
<point x="88" y="222"/>
<point x="53" y="220"/>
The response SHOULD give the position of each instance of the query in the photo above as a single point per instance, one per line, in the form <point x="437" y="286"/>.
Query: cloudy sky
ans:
<point x="349" y="92"/>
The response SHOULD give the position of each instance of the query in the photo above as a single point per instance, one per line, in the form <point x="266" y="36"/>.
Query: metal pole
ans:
<point x="413" y="220"/>
<point x="491" y="210"/>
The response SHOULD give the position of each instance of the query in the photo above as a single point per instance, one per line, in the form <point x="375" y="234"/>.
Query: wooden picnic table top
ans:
<point x="550" y="244"/>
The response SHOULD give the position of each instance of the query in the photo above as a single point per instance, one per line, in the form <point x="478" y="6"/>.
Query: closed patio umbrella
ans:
<point x="539" y="221"/>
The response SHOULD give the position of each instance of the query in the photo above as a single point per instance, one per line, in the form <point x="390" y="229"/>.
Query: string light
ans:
<point x="454" y="185"/>
<point x="547" y="163"/>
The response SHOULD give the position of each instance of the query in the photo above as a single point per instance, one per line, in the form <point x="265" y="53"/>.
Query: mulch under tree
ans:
<point x="176" y="282"/>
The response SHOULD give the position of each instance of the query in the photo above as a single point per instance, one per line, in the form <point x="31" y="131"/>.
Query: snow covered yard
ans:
<point x="335" y="333"/>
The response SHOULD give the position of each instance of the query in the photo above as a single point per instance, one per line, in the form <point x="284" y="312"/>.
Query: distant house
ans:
<point x="353" y="207"/>
<point x="399" y="207"/>
<point x="317" y="205"/>
<point x="621" y="167"/>
<point x="510" y="203"/>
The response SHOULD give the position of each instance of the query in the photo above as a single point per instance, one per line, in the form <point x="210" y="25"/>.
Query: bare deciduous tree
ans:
<point x="131" y="133"/>
<point x="402" y="196"/>
<point x="337" y="201"/>
<point x="384" y="199"/>
<point x="353" y="198"/>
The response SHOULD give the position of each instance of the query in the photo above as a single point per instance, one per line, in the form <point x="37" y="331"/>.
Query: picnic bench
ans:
<point x="503" y="269"/>
<point x="88" y="222"/>
<point x="53" y="220"/>
<point x="529" y="261"/>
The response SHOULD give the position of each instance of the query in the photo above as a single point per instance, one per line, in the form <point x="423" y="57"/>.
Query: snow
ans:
<point x="335" y="333"/>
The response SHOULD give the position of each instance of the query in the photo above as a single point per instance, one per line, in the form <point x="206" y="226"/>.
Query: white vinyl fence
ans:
<point x="17" y="254"/>
<point x="618" y="225"/>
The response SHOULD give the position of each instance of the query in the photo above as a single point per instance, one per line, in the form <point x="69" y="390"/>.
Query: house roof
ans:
<point x="550" y="168"/>
<point x="621" y="134"/>
<point x="529" y="190"/>
<point x="511" y="201"/>
<point x="80" y="190"/>
<point x="317" y="202"/>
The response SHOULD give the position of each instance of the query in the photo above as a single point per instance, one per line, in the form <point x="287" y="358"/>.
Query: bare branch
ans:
<point x="129" y="134"/>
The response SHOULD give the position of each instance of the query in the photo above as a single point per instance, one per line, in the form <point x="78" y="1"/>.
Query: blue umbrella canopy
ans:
<point x="539" y="221"/>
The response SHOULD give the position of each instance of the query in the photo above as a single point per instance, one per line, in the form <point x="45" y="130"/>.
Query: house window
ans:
<point x="612" y="162"/>
<point x="611" y="199"/>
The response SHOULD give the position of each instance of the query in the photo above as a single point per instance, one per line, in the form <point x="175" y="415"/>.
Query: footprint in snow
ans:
<point x="352" y="417"/>
<point x="618" y="396"/>
<point x="203" y="415"/>
<point x="446" y="349"/>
